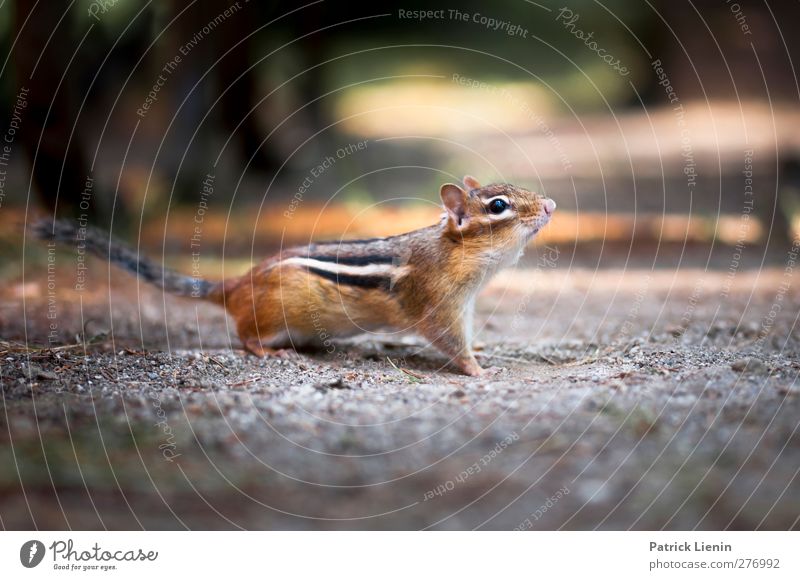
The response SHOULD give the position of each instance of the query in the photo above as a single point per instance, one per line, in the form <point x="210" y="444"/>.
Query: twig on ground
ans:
<point x="244" y="382"/>
<point x="216" y="362"/>
<point x="414" y="376"/>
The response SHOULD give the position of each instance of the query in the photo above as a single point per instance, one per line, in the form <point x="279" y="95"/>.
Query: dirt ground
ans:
<point x="630" y="399"/>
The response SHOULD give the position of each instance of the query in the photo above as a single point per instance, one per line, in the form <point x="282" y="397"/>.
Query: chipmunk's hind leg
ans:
<point x="275" y="345"/>
<point x="262" y="332"/>
<point x="260" y="349"/>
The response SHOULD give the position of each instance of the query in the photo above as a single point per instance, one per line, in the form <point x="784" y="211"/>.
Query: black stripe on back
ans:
<point x="379" y="282"/>
<point x="355" y="260"/>
<point x="345" y="242"/>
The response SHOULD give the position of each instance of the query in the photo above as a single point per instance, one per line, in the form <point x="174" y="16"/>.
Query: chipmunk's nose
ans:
<point x="549" y="206"/>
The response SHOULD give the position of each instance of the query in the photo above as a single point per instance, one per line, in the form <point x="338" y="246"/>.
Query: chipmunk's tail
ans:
<point x="102" y="245"/>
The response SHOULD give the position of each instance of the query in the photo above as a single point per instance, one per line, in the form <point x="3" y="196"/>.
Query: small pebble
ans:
<point x="748" y="363"/>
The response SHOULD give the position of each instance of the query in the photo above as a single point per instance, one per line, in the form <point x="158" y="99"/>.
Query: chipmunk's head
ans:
<point x="503" y="214"/>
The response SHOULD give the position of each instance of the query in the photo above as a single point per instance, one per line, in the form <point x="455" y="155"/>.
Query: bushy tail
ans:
<point x="102" y="245"/>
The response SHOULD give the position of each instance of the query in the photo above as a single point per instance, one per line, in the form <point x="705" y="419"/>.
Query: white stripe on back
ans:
<point x="349" y="270"/>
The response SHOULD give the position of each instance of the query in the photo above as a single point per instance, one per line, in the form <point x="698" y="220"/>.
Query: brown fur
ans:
<point x="424" y="281"/>
<point x="437" y="272"/>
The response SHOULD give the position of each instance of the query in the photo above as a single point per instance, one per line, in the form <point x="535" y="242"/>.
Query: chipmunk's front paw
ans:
<point x="468" y="366"/>
<point x="472" y="368"/>
<point x="492" y="371"/>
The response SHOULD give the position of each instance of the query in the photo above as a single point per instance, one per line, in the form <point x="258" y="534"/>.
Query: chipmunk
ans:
<point x="423" y="281"/>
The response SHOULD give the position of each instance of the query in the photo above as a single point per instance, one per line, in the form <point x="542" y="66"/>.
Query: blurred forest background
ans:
<point x="131" y="106"/>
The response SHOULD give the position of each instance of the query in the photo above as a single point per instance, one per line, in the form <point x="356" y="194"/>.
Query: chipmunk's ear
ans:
<point x="471" y="182"/>
<point x="455" y="202"/>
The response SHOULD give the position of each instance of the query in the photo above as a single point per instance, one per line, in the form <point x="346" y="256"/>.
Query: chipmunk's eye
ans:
<point x="498" y="206"/>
